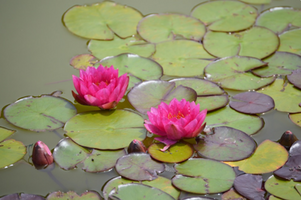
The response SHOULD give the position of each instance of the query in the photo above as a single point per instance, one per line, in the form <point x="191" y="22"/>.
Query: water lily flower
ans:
<point x="179" y="119"/>
<point x="41" y="155"/>
<point x="100" y="87"/>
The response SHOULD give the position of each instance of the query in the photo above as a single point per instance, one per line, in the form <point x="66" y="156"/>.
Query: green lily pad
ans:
<point x="282" y="63"/>
<point x="138" y="166"/>
<point x="285" y="95"/>
<point x="108" y="129"/>
<point x="91" y="195"/>
<point x="229" y="16"/>
<point x="182" y="58"/>
<point x="102" y="49"/>
<point x="126" y="191"/>
<point x="102" y="20"/>
<point x="268" y="157"/>
<point x="295" y="78"/>
<point x="249" y="124"/>
<point x="279" y="19"/>
<point x="245" y="43"/>
<point x="290" y="41"/>
<point x="234" y="73"/>
<point x="83" y="61"/>
<point x="203" y="176"/>
<point x="11" y="151"/>
<point x="39" y="113"/>
<point x="4" y="133"/>
<point x="295" y="118"/>
<point x="271" y="197"/>
<point x="178" y="152"/>
<point x="151" y="93"/>
<point x="257" y="1"/>
<point x="282" y="188"/>
<point x="232" y="195"/>
<point x="225" y="144"/>
<point x="161" y="27"/>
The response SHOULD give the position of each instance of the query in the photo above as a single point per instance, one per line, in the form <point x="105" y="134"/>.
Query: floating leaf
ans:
<point x="252" y="103"/>
<point x="161" y="27"/>
<point x="271" y="197"/>
<point x="285" y="95"/>
<point x="11" y="151"/>
<point x="197" y="198"/>
<point x="295" y="78"/>
<point x="279" y="19"/>
<point x="39" y="113"/>
<point x="83" y="61"/>
<point x="245" y="43"/>
<point x="102" y="20"/>
<point x="249" y="186"/>
<point x="290" y="41"/>
<point x="229" y="16"/>
<point x="182" y="58"/>
<point x="91" y="195"/>
<point x="203" y="176"/>
<point x="295" y="149"/>
<point x="151" y="93"/>
<point x="232" y="195"/>
<point x="22" y="196"/>
<point x="225" y="144"/>
<point x="108" y="129"/>
<point x="234" y="73"/>
<point x="138" y="166"/>
<point x="126" y="191"/>
<point x="102" y="49"/>
<point x="257" y="1"/>
<point x="269" y="156"/>
<point x="176" y="153"/>
<point x="291" y="169"/>
<point x="249" y="124"/>
<point x="4" y="133"/>
<point x="282" y="188"/>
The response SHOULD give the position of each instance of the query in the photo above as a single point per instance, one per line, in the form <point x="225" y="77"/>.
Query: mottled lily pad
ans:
<point x="22" y="196"/>
<point x="229" y="16"/>
<point x="102" y="20"/>
<point x="250" y="186"/>
<point x="91" y="195"/>
<point x="245" y="43"/>
<point x="4" y="133"/>
<point x="257" y="1"/>
<point x="279" y="19"/>
<point x="225" y="144"/>
<point x="249" y="124"/>
<point x="295" y="78"/>
<point x="234" y="73"/>
<point x="108" y="129"/>
<point x="232" y="195"/>
<point x="203" y="176"/>
<point x="83" y="61"/>
<point x="182" y="58"/>
<point x="39" y="113"/>
<point x="151" y="93"/>
<point x="11" y="151"/>
<point x="295" y="149"/>
<point x="291" y="169"/>
<point x="269" y="156"/>
<point x="252" y="103"/>
<point x="138" y="166"/>
<point x="102" y="49"/>
<point x="290" y="41"/>
<point x="287" y="98"/>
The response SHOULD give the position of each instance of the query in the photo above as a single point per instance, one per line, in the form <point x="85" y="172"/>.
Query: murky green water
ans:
<point x="35" y="53"/>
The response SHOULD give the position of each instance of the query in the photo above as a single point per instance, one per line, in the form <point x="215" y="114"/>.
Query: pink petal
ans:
<point x="108" y="105"/>
<point x="197" y="131"/>
<point x="92" y="100"/>
<point x="165" y="141"/>
<point x="79" y="99"/>
<point x="173" y="131"/>
<point x="153" y="129"/>
<point x="76" y="83"/>
<point x="190" y="127"/>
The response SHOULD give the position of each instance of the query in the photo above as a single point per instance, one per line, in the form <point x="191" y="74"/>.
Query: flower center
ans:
<point x="178" y="116"/>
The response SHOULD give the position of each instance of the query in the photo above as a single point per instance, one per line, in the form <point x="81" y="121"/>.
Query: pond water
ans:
<point x="35" y="52"/>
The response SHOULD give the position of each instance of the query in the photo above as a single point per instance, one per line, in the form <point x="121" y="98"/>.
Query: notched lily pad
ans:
<point x="138" y="166"/>
<point x="291" y="169"/>
<point x="91" y="195"/>
<point x="295" y="78"/>
<point x="83" y="61"/>
<point x="250" y="186"/>
<point x="290" y="41"/>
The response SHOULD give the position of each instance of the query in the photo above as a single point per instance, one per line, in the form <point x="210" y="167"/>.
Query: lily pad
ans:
<point x="282" y="188"/>
<point x="151" y="93"/>
<point x="39" y="113"/>
<point x="257" y="1"/>
<point x="250" y="186"/>
<point x="126" y="191"/>
<point x="11" y="151"/>
<point x="291" y="169"/>
<point x="91" y="195"/>
<point x="279" y="19"/>
<point x="252" y="103"/>
<point x="287" y="98"/>
<point x="290" y="41"/>
<point x="108" y="129"/>
<point x="281" y="63"/>
<point x="102" y="49"/>
<point x="178" y="152"/>
<point x="295" y="78"/>
<point x="4" y="133"/>
<point x="234" y="73"/>
<point x="182" y="58"/>
<point x="225" y="144"/>
<point x="22" y="196"/>
<point x="232" y="195"/>
<point x="102" y="20"/>
<point x="161" y="27"/>
<point x="295" y="149"/>
<point x="268" y="157"/>
<point x="138" y="166"/>
<point x="83" y="61"/>
<point x="203" y="176"/>
<point x="229" y="16"/>
<point x="245" y="43"/>
<point x="249" y="124"/>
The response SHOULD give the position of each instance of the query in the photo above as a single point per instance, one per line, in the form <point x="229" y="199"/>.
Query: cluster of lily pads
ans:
<point x="220" y="45"/>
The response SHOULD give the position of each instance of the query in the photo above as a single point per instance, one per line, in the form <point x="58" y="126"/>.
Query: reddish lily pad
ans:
<point x="232" y="195"/>
<point x="91" y="195"/>
<point x="22" y="196"/>
<point x="295" y="149"/>
<point x="290" y="41"/>
<point x="252" y="103"/>
<point x="225" y="144"/>
<point x="295" y="78"/>
<point x="291" y="169"/>
<point x="138" y="166"/>
<point x="250" y="186"/>
<point x="83" y="61"/>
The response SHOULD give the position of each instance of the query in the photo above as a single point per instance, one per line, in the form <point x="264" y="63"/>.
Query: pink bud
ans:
<point x="41" y="155"/>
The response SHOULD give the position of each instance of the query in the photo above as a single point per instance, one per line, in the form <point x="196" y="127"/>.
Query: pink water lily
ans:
<point x="179" y="119"/>
<point x="100" y="87"/>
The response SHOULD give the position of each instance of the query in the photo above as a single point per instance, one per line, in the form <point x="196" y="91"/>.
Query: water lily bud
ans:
<point x="287" y="139"/>
<point x="136" y="146"/>
<point x="41" y="155"/>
